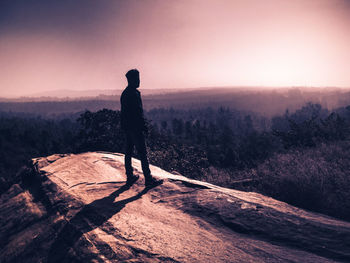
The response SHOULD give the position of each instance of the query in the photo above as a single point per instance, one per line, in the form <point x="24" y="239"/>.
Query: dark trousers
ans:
<point x="136" y="139"/>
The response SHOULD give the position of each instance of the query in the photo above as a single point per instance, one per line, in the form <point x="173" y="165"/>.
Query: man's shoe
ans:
<point x="132" y="179"/>
<point x="150" y="183"/>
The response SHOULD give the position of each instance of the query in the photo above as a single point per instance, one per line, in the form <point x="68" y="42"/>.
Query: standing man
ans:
<point x="134" y="125"/>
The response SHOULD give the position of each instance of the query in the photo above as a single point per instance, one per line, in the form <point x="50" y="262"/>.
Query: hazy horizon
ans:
<point x="47" y="46"/>
<point x="71" y="94"/>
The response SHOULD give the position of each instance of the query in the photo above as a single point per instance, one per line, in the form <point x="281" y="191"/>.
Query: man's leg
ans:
<point x="142" y="151"/>
<point x="128" y="154"/>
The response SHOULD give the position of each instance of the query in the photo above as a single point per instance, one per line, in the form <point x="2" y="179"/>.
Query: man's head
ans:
<point x="133" y="77"/>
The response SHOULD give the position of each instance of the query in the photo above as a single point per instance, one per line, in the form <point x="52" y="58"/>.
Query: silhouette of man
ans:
<point x="134" y="125"/>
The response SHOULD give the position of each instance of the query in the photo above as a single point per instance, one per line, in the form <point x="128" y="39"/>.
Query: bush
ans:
<point x="316" y="178"/>
<point x="100" y="131"/>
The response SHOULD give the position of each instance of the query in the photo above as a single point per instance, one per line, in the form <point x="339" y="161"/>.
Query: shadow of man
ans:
<point x="88" y="218"/>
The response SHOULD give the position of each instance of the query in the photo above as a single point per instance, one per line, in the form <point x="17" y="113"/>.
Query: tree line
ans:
<point x="186" y="141"/>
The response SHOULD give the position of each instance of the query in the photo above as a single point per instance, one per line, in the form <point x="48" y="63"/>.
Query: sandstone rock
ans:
<point x="77" y="208"/>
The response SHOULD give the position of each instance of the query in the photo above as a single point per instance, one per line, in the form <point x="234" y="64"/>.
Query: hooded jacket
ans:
<point x="132" y="118"/>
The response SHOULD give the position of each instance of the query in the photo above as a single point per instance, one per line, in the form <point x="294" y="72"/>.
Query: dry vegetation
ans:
<point x="314" y="178"/>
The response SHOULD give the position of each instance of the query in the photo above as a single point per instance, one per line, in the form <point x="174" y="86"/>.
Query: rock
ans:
<point x="77" y="208"/>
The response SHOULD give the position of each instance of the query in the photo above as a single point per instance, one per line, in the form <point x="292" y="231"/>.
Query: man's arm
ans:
<point x="142" y="119"/>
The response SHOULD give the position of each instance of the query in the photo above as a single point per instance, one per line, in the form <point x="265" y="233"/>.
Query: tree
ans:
<point x="100" y="131"/>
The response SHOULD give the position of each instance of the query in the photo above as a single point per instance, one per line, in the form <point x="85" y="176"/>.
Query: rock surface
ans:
<point x="77" y="208"/>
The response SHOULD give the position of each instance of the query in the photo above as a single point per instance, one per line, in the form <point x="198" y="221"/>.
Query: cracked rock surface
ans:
<point x="77" y="208"/>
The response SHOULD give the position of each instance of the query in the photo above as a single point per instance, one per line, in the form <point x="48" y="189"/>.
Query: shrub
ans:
<point x="316" y="178"/>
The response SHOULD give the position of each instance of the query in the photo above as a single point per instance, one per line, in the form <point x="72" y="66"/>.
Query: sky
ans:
<point x="88" y="44"/>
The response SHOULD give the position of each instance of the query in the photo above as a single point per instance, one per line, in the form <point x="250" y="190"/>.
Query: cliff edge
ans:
<point x="77" y="208"/>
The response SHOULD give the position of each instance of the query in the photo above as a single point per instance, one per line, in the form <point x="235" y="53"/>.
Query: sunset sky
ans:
<point x="90" y="44"/>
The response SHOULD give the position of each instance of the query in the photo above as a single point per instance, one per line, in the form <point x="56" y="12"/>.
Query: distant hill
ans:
<point x="267" y="101"/>
<point x="67" y="94"/>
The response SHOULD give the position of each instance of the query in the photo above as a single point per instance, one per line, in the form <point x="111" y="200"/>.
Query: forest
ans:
<point x="301" y="156"/>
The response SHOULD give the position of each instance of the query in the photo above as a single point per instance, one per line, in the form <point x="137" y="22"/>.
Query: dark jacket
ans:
<point x="132" y="118"/>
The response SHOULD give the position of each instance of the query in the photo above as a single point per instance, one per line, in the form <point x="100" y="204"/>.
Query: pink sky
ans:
<point x="175" y="44"/>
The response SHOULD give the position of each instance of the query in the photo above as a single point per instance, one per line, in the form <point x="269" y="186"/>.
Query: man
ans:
<point x="134" y="125"/>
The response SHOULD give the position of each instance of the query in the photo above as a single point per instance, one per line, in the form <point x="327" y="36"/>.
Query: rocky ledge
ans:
<point x="77" y="208"/>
